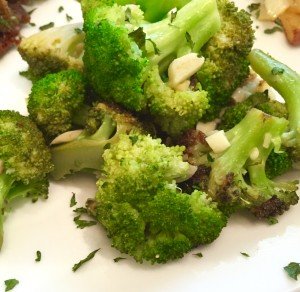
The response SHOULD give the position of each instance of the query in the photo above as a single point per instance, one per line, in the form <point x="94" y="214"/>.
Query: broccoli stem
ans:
<point x="6" y="182"/>
<point x="83" y="153"/>
<point x="285" y="80"/>
<point x="193" y="25"/>
<point x="244" y="137"/>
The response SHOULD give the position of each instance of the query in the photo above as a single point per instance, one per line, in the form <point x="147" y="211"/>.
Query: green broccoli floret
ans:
<point x="260" y="100"/>
<point x="53" y="50"/>
<point x="228" y="183"/>
<point x="278" y="163"/>
<point x="143" y="211"/>
<point x="104" y="125"/>
<point x="123" y="55"/>
<point x="57" y="102"/>
<point x="226" y="65"/>
<point x="287" y="83"/>
<point x="25" y="161"/>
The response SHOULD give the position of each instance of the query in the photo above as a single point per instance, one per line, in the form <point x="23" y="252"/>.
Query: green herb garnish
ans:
<point x="10" y="284"/>
<point x="189" y="40"/>
<point x="38" y="256"/>
<point x="80" y="263"/>
<point x="199" y="255"/>
<point x="73" y="201"/>
<point x="272" y="220"/>
<point x="273" y="29"/>
<point x="245" y="254"/>
<point x="68" y="17"/>
<point x="293" y="270"/>
<point x="253" y="7"/>
<point x="116" y="260"/>
<point x="277" y="71"/>
<point x="60" y="9"/>
<point x="78" y="30"/>
<point x="46" y="26"/>
<point x="83" y="223"/>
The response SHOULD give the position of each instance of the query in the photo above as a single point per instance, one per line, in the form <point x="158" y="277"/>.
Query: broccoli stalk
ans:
<point x="103" y="126"/>
<point x="228" y="183"/>
<point x="287" y="82"/>
<point x="25" y="161"/>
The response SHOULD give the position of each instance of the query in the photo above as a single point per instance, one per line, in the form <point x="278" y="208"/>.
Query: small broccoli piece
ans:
<point x="228" y="182"/>
<point x="56" y="101"/>
<point x="260" y="100"/>
<point x="104" y="125"/>
<point x="25" y="161"/>
<point x="287" y="83"/>
<point x="123" y="55"/>
<point x="278" y="163"/>
<point x="141" y="207"/>
<point x="53" y="50"/>
<point x="226" y="65"/>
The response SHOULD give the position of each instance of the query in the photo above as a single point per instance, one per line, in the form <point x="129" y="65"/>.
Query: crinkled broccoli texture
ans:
<point x="287" y="82"/>
<point x="25" y="161"/>
<point x="56" y="101"/>
<point x="104" y="124"/>
<point x="121" y="49"/>
<point x="226" y="65"/>
<point x="143" y="211"/>
<point x="260" y="100"/>
<point x="238" y="181"/>
<point x="53" y="50"/>
<point x="175" y="111"/>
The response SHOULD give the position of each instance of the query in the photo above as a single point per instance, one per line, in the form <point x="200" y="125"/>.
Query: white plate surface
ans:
<point x="48" y="226"/>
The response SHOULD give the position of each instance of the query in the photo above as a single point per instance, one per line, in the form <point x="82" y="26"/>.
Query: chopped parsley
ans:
<point x="293" y="270"/>
<point x="83" y="223"/>
<point x="32" y="24"/>
<point x="78" y="30"/>
<point x="156" y="49"/>
<point x="173" y="15"/>
<point x="273" y="30"/>
<point x="199" y="255"/>
<point x="80" y="210"/>
<point x="46" y="26"/>
<point x="38" y="256"/>
<point x="60" y="9"/>
<point x="73" y="201"/>
<point x="189" y="40"/>
<point x="245" y="254"/>
<point x="277" y="71"/>
<point x="68" y="17"/>
<point x="253" y="7"/>
<point x="139" y="37"/>
<point x="31" y="11"/>
<point x="116" y="260"/>
<point x="10" y="284"/>
<point x="272" y="220"/>
<point x="81" y="262"/>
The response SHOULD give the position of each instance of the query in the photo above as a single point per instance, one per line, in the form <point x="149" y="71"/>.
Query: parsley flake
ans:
<point x="273" y="29"/>
<point x="245" y="254"/>
<point x="78" y="30"/>
<point x="68" y="17"/>
<point x="277" y="71"/>
<point x="139" y="37"/>
<point x="189" y="40"/>
<point x="81" y="262"/>
<point x="83" y="223"/>
<point x="173" y="15"/>
<point x="80" y="210"/>
<point x="253" y="7"/>
<point x="38" y="256"/>
<point x="293" y="270"/>
<point x="199" y="255"/>
<point x="116" y="260"/>
<point x="31" y="11"/>
<point x="10" y="284"/>
<point x="272" y="220"/>
<point x="60" y="9"/>
<point x="73" y="201"/>
<point x="156" y="49"/>
<point x="46" y="26"/>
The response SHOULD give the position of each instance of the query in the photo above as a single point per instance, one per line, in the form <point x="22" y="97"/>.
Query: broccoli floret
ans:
<point x="226" y="65"/>
<point x="260" y="100"/>
<point x="57" y="102"/>
<point x="104" y="125"/>
<point x="143" y="211"/>
<point x="123" y="55"/>
<point x="25" y="161"/>
<point x="287" y="83"/>
<point x="278" y="163"/>
<point x="228" y="182"/>
<point x="53" y="50"/>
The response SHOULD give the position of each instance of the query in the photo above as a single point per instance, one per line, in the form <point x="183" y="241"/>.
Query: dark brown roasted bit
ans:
<point x="12" y="17"/>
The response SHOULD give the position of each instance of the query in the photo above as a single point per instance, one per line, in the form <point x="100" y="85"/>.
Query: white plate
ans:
<point x="48" y="226"/>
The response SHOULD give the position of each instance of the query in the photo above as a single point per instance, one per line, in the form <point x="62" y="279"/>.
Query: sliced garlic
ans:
<point x="66" y="137"/>
<point x="207" y="127"/>
<point x="218" y="141"/>
<point x="254" y="154"/>
<point x="181" y="69"/>
<point x="271" y="9"/>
